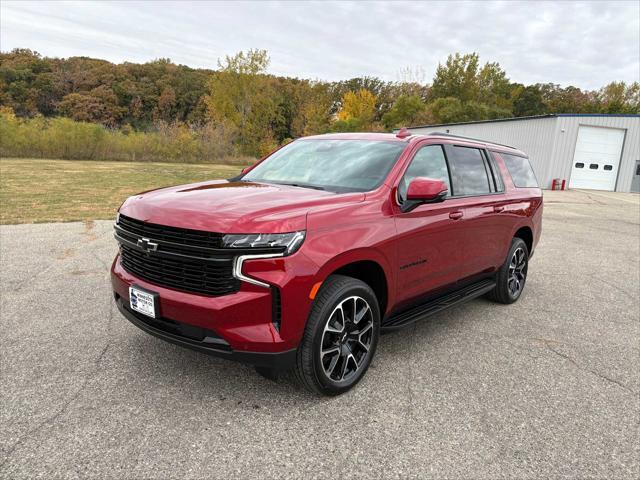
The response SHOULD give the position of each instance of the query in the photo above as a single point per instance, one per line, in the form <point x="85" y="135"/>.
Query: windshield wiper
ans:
<point x="303" y="185"/>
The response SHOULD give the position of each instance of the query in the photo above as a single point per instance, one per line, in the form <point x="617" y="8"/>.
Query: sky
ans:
<point x="585" y="44"/>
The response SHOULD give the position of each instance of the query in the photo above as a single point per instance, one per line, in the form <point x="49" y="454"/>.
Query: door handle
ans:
<point x="456" y="215"/>
<point x="498" y="209"/>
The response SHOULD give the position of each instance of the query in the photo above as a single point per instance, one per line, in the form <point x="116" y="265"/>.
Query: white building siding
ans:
<point x="550" y="141"/>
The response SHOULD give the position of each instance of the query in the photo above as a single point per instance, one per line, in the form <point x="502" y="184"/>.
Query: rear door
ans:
<point x="478" y="190"/>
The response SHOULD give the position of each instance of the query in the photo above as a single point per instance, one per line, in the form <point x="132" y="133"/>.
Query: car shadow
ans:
<point x="181" y="369"/>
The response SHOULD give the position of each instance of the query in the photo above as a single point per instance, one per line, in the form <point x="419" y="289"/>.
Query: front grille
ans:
<point x="183" y="236"/>
<point x="183" y="259"/>
<point x="189" y="276"/>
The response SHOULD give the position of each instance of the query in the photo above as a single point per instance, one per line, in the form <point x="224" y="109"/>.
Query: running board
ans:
<point x="438" y="304"/>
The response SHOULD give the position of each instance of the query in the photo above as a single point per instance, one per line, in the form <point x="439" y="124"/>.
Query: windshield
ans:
<point x="336" y="165"/>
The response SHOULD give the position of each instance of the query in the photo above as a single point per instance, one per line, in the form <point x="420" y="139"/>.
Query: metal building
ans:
<point x="599" y="152"/>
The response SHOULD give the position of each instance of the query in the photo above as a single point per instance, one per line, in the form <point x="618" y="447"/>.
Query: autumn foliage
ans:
<point x="87" y="108"/>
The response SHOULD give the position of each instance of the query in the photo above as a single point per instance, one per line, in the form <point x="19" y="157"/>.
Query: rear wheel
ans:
<point x="512" y="276"/>
<point x="340" y="337"/>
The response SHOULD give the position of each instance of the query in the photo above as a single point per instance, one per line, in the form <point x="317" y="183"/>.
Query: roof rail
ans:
<point x="441" y="134"/>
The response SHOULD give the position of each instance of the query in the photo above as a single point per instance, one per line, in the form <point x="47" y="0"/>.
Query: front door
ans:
<point x="431" y="248"/>
<point x="430" y="238"/>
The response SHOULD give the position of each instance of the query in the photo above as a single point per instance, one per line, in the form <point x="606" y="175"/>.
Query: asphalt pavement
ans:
<point x="544" y="388"/>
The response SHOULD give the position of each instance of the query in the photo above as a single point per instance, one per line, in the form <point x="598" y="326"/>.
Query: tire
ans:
<point x="512" y="275"/>
<point x="336" y="351"/>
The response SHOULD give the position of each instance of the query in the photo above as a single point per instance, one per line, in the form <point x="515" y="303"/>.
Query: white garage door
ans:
<point x="597" y="157"/>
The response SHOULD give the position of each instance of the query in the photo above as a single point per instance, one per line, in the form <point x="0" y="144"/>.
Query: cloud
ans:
<point x="586" y="44"/>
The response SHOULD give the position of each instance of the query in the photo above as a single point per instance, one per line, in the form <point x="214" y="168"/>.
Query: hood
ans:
<point x="233" y="207"/>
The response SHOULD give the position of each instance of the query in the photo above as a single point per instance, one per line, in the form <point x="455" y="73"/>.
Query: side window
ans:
<point x="521" y="171"/>
<point x="497" y="176"/>
<point x="428" y="162"/>
<point x="469" y="172"/>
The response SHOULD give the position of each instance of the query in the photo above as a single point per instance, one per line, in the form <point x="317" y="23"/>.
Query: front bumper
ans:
<point x="204" y="341"/>
<point x="254" y="320"/>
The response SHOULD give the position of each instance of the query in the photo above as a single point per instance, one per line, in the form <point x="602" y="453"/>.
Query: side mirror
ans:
<point x="424" y="190"/>
<point x="246" y="169"/>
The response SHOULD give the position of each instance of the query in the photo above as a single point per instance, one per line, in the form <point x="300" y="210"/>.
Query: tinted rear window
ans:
<point x="520" y="170"/>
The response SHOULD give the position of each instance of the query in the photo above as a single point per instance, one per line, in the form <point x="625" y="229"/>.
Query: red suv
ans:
<point x="303" y="259"/>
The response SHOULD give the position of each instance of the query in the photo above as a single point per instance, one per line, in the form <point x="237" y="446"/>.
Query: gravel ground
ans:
<point x="545" y="388"/>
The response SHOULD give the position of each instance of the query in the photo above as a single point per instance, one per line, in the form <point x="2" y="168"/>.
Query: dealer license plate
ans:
<point x="142" y="302"/>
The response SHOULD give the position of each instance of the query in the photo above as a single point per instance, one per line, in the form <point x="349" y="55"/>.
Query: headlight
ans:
<point x="289" y="241"/>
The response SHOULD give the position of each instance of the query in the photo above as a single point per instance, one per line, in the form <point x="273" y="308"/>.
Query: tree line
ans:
<point x="160" y="110"/>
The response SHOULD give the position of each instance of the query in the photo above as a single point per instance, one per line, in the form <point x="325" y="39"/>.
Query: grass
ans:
<point x="35" y="190"/>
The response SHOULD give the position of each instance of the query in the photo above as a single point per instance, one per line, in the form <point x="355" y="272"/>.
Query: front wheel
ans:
<point x="340" y="337"/>
<point x="512" y="276"/>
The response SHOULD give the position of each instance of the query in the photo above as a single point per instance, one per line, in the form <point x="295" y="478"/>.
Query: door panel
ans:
<point x="430" y="237"/>
<point x="431" y="248"/>
<point x="473" y="177"/>
<point x="486" y="227"/>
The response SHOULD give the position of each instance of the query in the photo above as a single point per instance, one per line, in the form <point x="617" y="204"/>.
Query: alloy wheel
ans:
<point x="517" y="272"/>
<point x="346" y="339"/>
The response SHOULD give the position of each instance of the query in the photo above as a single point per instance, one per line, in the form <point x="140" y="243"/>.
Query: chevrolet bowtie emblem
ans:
<point x="147" y="245"/>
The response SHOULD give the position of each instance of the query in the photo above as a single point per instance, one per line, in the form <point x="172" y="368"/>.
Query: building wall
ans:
<point x="550" y="142"/>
